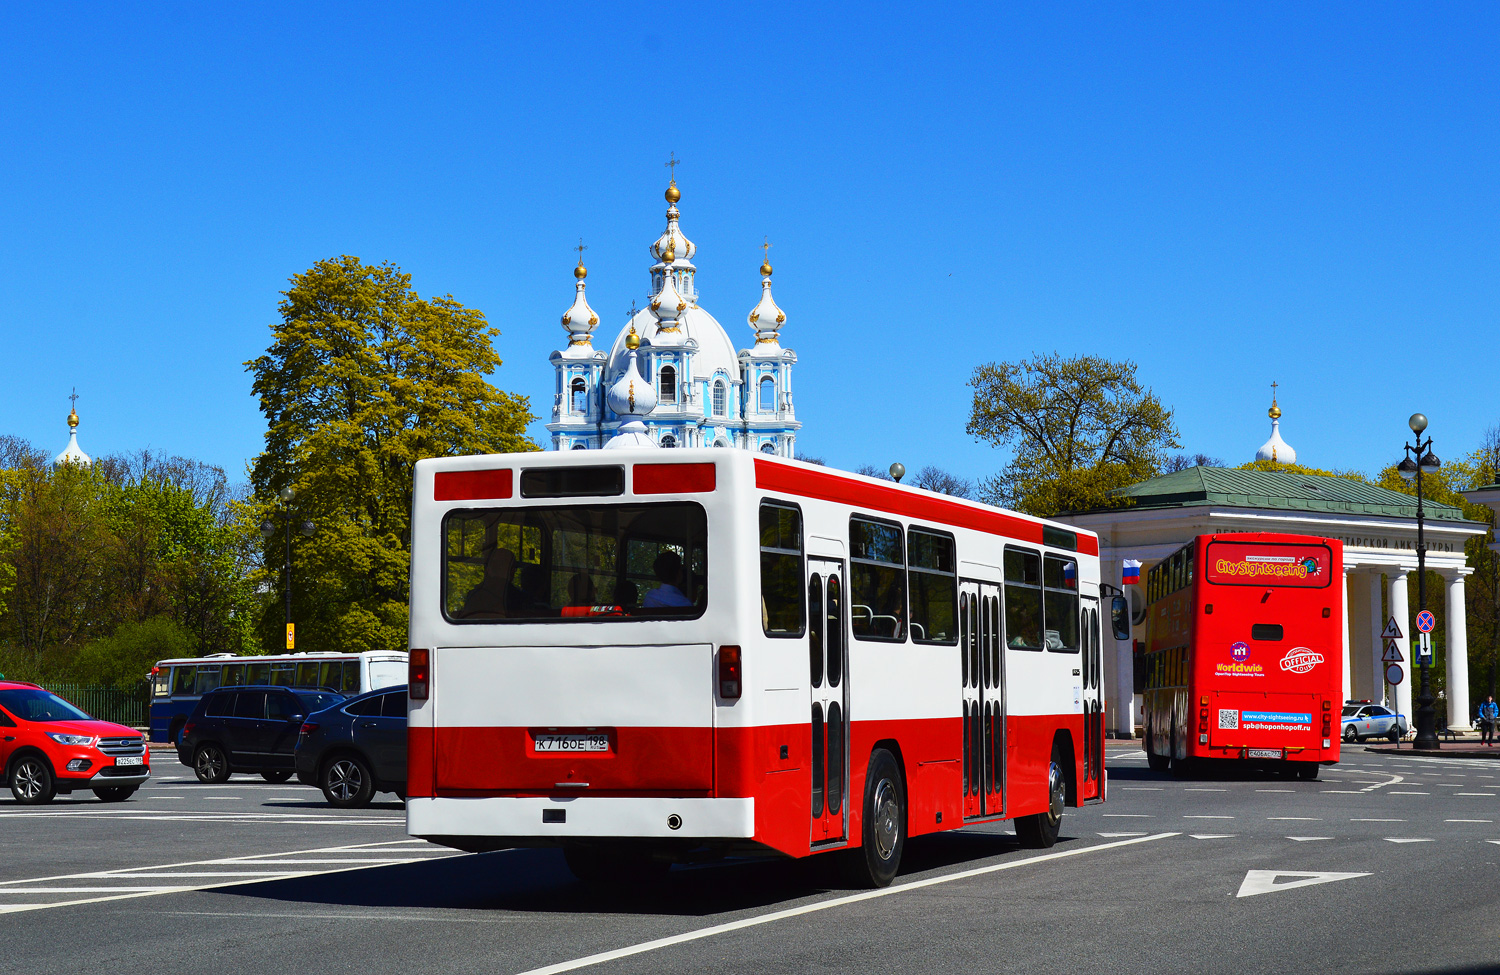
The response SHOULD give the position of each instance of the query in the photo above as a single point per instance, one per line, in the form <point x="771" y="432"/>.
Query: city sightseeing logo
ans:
<point x="1255" y="567"/>
<point x="1300" y="660"/>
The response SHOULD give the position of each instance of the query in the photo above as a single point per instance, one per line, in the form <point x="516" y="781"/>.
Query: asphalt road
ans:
<point x="1388" y="864"/>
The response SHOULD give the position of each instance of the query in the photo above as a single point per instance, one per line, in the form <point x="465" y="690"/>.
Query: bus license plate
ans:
<point x="572" y="743"/>
<point x="131" y="760"/>
<point x="1265" y="753"/>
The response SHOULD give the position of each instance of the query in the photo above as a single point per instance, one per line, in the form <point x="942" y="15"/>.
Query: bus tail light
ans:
<point x="729" y="673"/>
<point x="417" y="675"/>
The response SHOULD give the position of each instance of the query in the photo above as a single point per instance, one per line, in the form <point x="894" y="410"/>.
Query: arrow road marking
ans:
<point x="1264" y="881"/>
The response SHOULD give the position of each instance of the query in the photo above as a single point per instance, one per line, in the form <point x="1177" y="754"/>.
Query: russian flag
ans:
<point x="1131" y="574"/>
<point x="1070" y="575"/>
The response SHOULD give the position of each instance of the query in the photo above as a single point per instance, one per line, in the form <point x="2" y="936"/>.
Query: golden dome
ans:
<point x="580" y="272"/>
<point x="632" y="341"/>
<point x="1274" y="412"/>
<point x="765" y="268"/>
<point x="670" y="254"/>
<point x="72" y="418"/>
<point x="673" y="194"/>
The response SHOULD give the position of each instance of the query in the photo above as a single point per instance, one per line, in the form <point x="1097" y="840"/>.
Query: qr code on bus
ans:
<point x="1229" y="720"/>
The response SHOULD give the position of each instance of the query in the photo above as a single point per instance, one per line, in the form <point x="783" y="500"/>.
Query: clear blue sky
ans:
<point x="1226" y="194"/>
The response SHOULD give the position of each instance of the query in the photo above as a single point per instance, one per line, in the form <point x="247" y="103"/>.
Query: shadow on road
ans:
<point x="538" y="881"/>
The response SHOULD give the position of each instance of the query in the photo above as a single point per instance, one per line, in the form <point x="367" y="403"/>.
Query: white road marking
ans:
<point x="1404" y="839"/>
<point x="1309" y="839"/>
<point x="1394" y="792"/>
<point x="1205" y="790"/>
<point x="1296" y="819"/>
<point x="1491" y="794"/>
<point x="1468" y="820"/>
<point x="1208" y="817"/>
<point x="1275" y="790"/>
<point x="1264" y="881"/>
<point x="750" y="922"/>
<point x="1212" y="836"/>
<point x="1117" y="835"/>
<point x="1377" y="820"/>
<point x="76" y="890"/>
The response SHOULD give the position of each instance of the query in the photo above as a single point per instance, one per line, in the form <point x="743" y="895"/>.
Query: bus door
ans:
<point x="982" y="671"/>
<point x="1093" y="697"/>
<point x="828" y="658"/>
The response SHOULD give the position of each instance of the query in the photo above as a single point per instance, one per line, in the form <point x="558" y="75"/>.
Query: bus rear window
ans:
<point x="580" y="562"/>
<point x="1251" y="564"/>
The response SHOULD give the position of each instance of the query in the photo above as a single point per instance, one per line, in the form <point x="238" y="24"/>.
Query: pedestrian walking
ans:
<point x="1489" y="714"/>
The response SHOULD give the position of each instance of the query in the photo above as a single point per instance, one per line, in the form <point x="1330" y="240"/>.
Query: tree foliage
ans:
<point x="362" y="379"/>
<point x="1078" y="428"/>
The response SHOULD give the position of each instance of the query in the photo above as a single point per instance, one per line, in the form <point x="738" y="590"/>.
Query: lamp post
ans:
<point x="268" y="529"/>
<point x="1411" y="469"/>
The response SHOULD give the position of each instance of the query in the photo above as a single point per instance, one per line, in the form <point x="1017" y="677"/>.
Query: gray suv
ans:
<point x="356" y="748"/>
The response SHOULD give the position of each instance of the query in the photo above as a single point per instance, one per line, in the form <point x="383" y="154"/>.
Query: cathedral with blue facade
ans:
<point x="707" y="393"/>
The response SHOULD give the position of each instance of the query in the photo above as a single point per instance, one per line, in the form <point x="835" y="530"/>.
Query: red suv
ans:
<point x="48" y="746"/>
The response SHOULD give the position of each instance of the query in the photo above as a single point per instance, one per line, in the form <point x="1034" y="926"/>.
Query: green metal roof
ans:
<point x="1281" y="490"/>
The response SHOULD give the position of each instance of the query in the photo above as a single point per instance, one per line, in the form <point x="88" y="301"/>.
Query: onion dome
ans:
<point x="580" y="319"/>
<point x="631" y="397"/>
<point x="672" y="239"/>
<point x="1276" y="449"/>
<point x="73" y="454"/>
<point x="668" y="304"/>
<point x="766" y="317"/>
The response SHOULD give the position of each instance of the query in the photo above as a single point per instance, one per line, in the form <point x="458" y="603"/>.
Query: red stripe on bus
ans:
<point x="673" y="478"/>
<point x="772" y="476"/>
<point x="472" y="485"/>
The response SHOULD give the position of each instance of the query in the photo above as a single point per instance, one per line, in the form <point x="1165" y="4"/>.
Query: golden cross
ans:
<point x="672" y="163"/>
<point x="580" y="249"/>
<point x="74" y="399"/>
<point x="766" y="248"/>
<point x="1273" y="390"/>
<point x="632" y="312"/>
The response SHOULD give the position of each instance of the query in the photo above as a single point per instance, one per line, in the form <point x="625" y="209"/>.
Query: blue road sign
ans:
<point x="1425" y="621"/>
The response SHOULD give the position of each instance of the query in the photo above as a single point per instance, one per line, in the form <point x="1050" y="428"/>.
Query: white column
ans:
<point x="1377" y="623"/>
<point x="1458" y="655"/>
<point x="1347" y="660"/>
<point x="1402" y="611"/>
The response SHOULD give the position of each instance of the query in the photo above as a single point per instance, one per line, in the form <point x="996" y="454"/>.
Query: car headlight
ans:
<point x="62" y="739"/>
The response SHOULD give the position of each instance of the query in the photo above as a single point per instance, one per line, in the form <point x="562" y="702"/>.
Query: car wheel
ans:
<point x="279" y="775"/>
<point x="1040" y="831"/>
<point x="210" y="764"/>
<point x="31" y="780"/>
<point x="347" y="782"/>
<point x="1350" y="734"/>
<point x="1393" y="735"/>
<point x="883" y="828"/>
<point x="115" y="793"/>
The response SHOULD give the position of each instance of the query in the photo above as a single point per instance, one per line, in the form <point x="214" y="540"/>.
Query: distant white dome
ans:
<point x="73" y="454"/>
<point x="1276" y="449"/>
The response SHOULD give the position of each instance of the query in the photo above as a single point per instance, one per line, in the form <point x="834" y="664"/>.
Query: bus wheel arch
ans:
<point x="1067" y="757"/>
<point x="174" y="730"/>
<point x="883" y="821"/>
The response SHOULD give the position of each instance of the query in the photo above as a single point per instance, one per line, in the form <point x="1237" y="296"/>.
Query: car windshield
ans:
<point x="35" y="704"/>
<point x="317" y="700"/>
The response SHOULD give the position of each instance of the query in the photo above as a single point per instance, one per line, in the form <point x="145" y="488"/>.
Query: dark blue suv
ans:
<point x="356" y="748"/>
<point x="247" y="729"/>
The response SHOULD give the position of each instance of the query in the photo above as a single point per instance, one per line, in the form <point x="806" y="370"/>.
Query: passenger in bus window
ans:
<point x="626" y="594"/>
<point x="668" y="569"/>
<point x="581" y="590"/>
<point x="490" y="598"/>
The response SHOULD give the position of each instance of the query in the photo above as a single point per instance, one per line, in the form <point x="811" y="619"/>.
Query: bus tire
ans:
<point x="1155" y="762"/>
<point x="210" y="764"/>
<point x="882" y="825"/>
<point x="1039" y="831"/>
<point x="1308" y="772"/>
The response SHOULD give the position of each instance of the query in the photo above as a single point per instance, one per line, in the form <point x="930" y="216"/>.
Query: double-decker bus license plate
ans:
<point x="572" y="743"/>
<point x="1265" y="753"/>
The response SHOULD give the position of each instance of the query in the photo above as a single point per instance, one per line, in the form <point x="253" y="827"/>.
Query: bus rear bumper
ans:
<point x="582" y="817"/>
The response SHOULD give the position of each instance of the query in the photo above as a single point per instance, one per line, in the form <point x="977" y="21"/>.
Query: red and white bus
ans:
<point x="1244" y="652"/>
<point x="646" y="655"/>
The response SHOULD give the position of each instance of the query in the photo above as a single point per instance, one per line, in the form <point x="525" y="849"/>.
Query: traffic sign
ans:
<point x="1425" y="621"/>
<point x="1392" y="654"/>
<point x="1391" y="631"/>
<point x="1393" y="674"/>
<point x="1424" y="648"/>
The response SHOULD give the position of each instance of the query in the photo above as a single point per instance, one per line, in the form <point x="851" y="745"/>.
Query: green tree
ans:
<point x="364" y="378"/>
<point x="126" y="656"/>
<point x="1078" y="428"/>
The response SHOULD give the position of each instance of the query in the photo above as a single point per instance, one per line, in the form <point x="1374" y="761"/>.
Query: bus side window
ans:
<point x="307" y="675"/>
<point x="782" y="595"/>
<point x="161" y="682"/>
<point x="1023" y="599"/>
<point x="259" y="674"/>
<point x="1060" y="602"/>
<point x="234" y="675"/>
<point x="185" y="679"/>
<point x="1187" y="576"/>
<point x="877" y="580"/>
<point x="208" y="677"/>
<point x="934" y="588"/>
<point x="351" y="677"/>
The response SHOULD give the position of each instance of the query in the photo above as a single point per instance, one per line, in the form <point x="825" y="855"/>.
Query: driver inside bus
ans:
<point x="668" y="569"/>
<point x="489" y="599"/>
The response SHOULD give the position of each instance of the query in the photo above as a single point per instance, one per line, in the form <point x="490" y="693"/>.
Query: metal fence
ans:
<point x="108" y="703"/>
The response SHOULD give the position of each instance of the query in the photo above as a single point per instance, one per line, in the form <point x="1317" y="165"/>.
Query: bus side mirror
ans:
<point x="1119" y="617"/>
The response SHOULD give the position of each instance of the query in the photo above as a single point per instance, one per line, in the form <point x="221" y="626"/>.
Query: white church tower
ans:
<point x="1276" y="449"/>
<point x="707" y="394"/>
<point x="72" y="453"/>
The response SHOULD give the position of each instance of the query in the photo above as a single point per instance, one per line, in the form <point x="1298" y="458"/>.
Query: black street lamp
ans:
<point x="1411" y="469"/>
<point x="268" y="529"/>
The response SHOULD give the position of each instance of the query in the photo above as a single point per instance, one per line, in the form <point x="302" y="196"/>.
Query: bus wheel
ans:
<point x="1155" y="762"/>
<point x="883" y="826"/>
<point x="1308" y="772"/>
<point x="1040" y="831"/>
<point x="613" y="866"/>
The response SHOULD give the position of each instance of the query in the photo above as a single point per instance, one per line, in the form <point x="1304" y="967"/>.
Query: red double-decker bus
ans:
<point x="1244" y="652"/>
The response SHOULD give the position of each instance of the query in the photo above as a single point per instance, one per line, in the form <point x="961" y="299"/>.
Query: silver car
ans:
<point x="1365" y="720"/>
